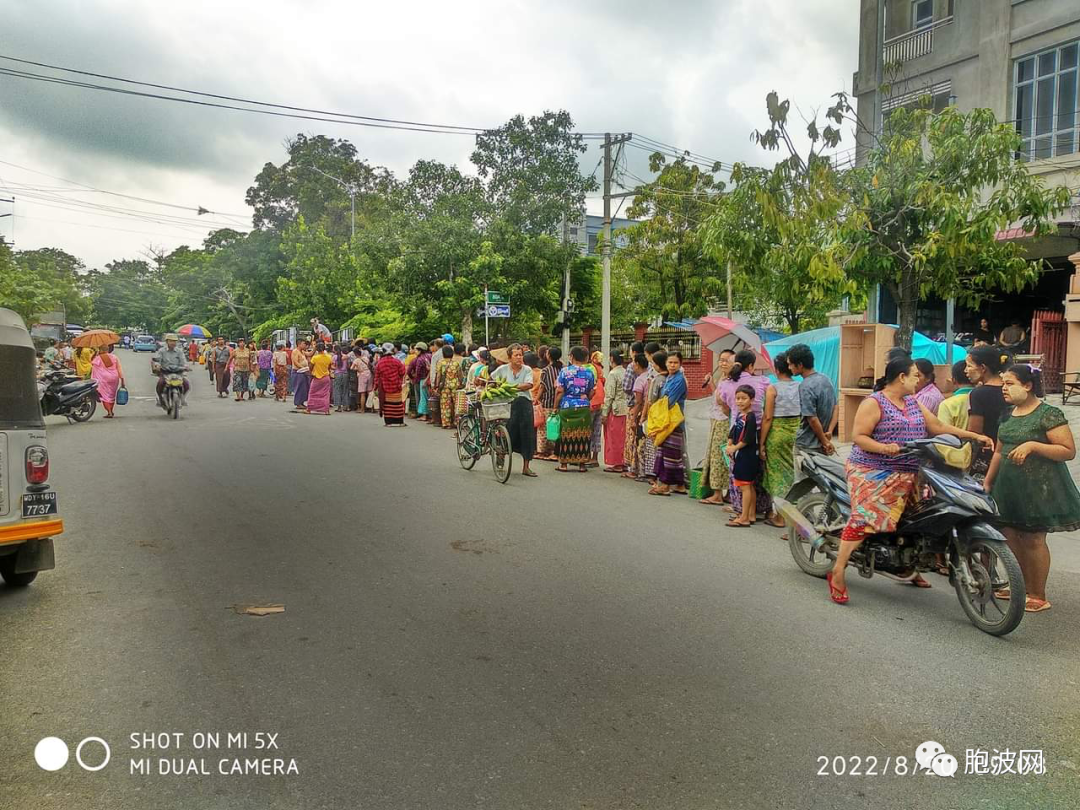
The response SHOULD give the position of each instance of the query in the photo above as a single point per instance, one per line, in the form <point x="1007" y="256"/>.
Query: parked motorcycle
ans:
<point x="953" y="517"/>
<point x="64" y="394"/>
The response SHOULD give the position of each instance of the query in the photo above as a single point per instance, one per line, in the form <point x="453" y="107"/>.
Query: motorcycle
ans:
<point x="953" y="518"/>
<point x="172" y="398"/>
<point x="64" y="394"/>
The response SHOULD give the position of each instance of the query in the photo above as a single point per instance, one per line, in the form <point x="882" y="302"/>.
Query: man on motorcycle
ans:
<point x="169" y="359"/>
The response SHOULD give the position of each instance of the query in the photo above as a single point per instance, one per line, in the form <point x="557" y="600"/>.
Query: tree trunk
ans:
<point x="907" y="303"/>
<point x="466" y="328"/>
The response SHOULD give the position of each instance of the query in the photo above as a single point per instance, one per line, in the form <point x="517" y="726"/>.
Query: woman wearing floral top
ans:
<point x="1029" y="479"/>
<point x="573" y="391"/>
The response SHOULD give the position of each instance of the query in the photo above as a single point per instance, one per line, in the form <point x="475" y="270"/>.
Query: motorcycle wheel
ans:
<point x="7" y="571"/>
<point x="84" y="410"/>
<point x="174" y="406"/>
<point x="978" y="565"/>
<point x="820" y="511"/>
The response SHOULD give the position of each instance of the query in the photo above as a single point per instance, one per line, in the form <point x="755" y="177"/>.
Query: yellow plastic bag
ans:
<point x="662" y="421"/>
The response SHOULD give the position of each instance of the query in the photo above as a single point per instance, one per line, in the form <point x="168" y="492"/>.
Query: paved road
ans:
<point x="563" y="642"/>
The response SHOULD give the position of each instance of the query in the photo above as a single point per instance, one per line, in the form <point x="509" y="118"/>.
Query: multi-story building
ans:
<point x="1019" y="58"/>
<point x="586" y="233"/>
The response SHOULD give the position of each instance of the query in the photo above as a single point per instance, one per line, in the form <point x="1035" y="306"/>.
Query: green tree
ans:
<point x="772" y="224"/>
<point x="59" y="275"/>
<point x="927" y="203"/>
<point x="129" y="294"/>
<point x="665" y="253"/>
<point x="531" y="172"/>
<point x="20" y="290"/>
<point x="300" y="186"/>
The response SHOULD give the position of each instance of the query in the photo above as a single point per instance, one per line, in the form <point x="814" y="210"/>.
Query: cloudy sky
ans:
<point x="692" y="73"/>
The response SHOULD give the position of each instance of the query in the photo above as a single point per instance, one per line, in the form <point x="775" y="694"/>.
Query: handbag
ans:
<point x="538" y="415"/>
<point x="121" y="396"/>
<point x="553" y="427"/>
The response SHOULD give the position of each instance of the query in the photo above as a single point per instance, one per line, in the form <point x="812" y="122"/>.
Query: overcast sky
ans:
<point x="688" y="72"/>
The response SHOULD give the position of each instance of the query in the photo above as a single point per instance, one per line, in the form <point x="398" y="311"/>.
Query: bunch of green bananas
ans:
<point x="501" y="390"/>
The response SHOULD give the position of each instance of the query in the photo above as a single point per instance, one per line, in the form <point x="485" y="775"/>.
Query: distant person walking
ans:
<point x="106" y="370"/>
<point x="243" y="359"/>
<point x="222" y="354"/>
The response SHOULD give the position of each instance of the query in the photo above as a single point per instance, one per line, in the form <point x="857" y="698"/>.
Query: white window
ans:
<point x="1045" y="103"/>
<point x="922" y="13"/>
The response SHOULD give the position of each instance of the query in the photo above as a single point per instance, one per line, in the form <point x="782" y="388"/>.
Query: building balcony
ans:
<point x="913" y="44"/>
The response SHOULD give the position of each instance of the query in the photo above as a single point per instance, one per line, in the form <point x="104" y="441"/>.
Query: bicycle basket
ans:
<point x="496" y="410"/>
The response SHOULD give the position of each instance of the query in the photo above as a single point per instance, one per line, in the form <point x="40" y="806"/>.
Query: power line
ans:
<point x="197" y="209"/>
<point x="374" y="119"/>
<point x="18" y="74"/>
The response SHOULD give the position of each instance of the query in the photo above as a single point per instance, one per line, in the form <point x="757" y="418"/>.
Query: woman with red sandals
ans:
<point x="881" y="483"/>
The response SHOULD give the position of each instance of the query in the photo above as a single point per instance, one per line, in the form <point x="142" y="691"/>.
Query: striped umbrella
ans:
<point x="194" y="330"/>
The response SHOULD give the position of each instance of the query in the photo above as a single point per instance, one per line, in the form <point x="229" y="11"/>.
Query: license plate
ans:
<point x="39" y="504"/>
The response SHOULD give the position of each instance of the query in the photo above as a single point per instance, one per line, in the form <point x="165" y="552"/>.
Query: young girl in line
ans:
<point x="742" y="447"/>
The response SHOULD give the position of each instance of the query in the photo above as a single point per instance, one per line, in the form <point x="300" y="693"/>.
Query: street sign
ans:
<point x="497" y="298"/>
<point x="498" y="311"/>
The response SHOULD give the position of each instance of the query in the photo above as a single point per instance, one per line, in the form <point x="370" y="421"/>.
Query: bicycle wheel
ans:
<point x="502" y="458"/>
<point x="467" y="451"/>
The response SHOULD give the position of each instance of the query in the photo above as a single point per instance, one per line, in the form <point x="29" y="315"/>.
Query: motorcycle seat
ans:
<point x="75" y="387"/>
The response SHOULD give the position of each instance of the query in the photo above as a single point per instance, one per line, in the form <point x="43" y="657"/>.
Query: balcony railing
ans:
<point x="913" y="44"/>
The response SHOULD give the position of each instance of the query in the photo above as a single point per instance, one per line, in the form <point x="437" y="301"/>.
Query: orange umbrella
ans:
<point x="95" y="339"/>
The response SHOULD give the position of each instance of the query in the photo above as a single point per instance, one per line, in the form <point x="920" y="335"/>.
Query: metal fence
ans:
<point x="685" y="341"/>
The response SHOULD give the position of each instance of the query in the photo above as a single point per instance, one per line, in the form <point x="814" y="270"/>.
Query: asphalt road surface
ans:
<point x="447" y="642"/>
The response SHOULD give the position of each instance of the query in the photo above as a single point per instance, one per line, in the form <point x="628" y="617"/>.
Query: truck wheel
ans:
<point x="7" y="571"/>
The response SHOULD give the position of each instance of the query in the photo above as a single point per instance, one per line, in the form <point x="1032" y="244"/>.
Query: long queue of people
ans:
<point x="573" y="412"/>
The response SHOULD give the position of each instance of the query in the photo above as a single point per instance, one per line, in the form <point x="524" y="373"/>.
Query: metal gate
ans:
<point x="1048" y="339"/>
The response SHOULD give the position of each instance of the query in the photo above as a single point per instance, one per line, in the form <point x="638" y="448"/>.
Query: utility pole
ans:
<point x="11" y="200"/>
<point x="730" y="308"/>
<point x="873" y="302"/>
<point x="605" y="307"/>
<point x="566" y="289"/>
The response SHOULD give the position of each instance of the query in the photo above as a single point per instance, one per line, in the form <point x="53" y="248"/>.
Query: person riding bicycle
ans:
<point x="169" y="359"/>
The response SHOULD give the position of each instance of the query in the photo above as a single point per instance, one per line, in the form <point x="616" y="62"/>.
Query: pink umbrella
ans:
<point x="718" y="334"/>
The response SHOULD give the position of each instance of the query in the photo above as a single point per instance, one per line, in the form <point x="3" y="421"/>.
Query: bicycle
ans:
<point x="483" y="431"/>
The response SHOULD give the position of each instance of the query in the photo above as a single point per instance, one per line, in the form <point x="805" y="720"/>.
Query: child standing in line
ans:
<point x="742" y="447"/>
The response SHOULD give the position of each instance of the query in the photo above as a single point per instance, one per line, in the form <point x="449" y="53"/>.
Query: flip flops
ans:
<point x="1034" y="605"/>
<point x="839" y="596"/>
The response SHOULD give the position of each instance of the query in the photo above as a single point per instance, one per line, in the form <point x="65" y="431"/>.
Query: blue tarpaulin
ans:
<point x="825" y="344"/>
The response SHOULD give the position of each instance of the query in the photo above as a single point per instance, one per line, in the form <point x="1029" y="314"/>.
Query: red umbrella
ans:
<point x="718" y="334"/>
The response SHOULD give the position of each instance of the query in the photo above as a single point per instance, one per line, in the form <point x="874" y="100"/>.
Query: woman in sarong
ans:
<point x="318" y="398"/>
<point x="448" y="380"/>
<point x="782" y="418"/>
<point x="647" y="461"/>
<point x="596" y="406"/>
<point x="549" y="381"/>
<point x="573" y="391"/>
<point x="281" y="373"/>
<point x="105" y="368"/>
<point x="669" y="467"/>
<point x="389" y="374"/>
<point x="340" y="397"/>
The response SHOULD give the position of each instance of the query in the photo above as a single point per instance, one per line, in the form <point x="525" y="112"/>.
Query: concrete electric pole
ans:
<point x="605" y="306"/>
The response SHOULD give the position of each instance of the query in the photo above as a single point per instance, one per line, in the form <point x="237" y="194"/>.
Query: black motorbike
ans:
<point x="64" y="394"/>
<point x="953" y="519"/>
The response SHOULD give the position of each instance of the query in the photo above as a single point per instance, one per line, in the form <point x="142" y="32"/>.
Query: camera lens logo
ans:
<point x="51" y="754"/>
